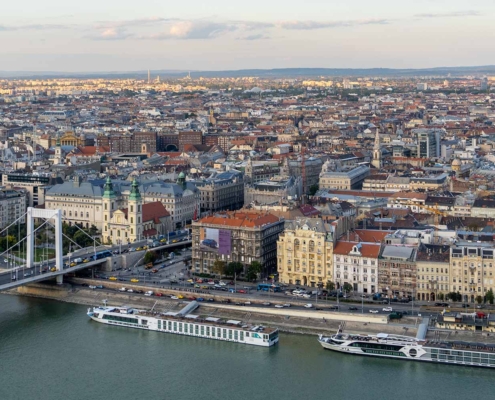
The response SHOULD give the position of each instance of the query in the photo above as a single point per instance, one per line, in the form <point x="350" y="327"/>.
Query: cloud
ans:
<point x="139" y="22"/>
<point x="259" y="36"/>
<point x="186" y="30"/>
<point x="111" y="34"/>
<point x="310" y="25"/>
<point x="468" y="13"/>
<point x="33" y="27"/>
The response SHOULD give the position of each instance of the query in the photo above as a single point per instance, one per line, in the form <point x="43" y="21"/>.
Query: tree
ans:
<point x="347" y="287"/>
<point x="330" y="286"/>
<point x="234" y="268"/>
<point x="489" y="296"/>
<point x="253" y="271"/>
<point x="149" y="257"/>
<point x="441" y="296"/>
<point x="219" y="267"/>
<point x="479" y="299"/>
<point x="313" y="189"/>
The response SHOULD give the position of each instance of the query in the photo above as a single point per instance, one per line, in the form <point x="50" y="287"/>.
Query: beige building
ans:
<point x="305" y="253"/>
<point x="432" y="275"/>
<point x="12" y="206"/>
<point x="351" y="179"/>
<point x="472" y="270"/>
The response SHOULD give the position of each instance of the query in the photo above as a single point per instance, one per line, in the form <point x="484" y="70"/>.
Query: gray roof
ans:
<point x="84" y="189"/>
<point x="401" y="252"/>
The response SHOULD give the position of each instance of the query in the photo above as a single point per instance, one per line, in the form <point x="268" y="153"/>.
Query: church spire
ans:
<point x="135" y="195"/>
<point x="377" y="152"/>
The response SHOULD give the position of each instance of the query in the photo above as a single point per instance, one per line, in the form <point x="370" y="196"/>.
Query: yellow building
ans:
<point x="70" y="139"/>
<point x="471" y="270"/>
<point x="432" y="276"/>
<point x="305" y="253"/>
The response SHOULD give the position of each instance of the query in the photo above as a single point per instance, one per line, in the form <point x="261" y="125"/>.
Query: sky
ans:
<point x="120" y="35"/>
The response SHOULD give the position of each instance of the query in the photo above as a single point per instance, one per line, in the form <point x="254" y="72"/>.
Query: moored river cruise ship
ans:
<point x="183" y="323"/>
<point x="408" y="348"/>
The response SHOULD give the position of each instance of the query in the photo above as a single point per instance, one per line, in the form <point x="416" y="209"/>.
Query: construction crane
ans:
<point x="303" y="172"/>
<point x="434" y="210"/>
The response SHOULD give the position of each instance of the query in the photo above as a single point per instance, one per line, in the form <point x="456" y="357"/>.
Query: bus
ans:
<point x="268" y="287"/>
<point x="101" y="254"/>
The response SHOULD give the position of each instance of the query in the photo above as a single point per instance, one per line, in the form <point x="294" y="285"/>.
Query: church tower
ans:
<point x="108" y="200"/>
<point x="377" y="152"/>
<point x="58" y="152"/>
<point x="135" y="212"/>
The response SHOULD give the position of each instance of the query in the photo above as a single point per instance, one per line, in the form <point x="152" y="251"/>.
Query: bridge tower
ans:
<point x="55" y="215"/>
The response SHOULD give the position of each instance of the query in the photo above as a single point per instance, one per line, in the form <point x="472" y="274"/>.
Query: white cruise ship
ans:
<point x="184" y="323"/>
<point x="408" y="348"/>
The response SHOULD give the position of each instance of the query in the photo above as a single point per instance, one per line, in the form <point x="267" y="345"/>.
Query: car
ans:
<point x="279" y="306"/>
<point x="222" y="283"/>
<point x="174" y="281"/>
<point x="205" y="287"/>
<point x="197" y="286"/>
<point x="387" y="309"/>
<point x="226" y="301"/>
<point x="267" y="303"/>
<point x="242" y="291"/>
<point x="53" y="269"/>
<point x="158" y="294"/>
<point x="149" y="293"/>
<point x="139" y="249"/>
<point x="174" y="297"/>
<point x="138" y="291"/>
<point x="200" y="299"/>
<point x="309" y="305"/>
<point x="333" y="307"/>
<point x="134" y="280"/>
<point x="86" y="260"/>
<point x="247" y="303"/>
<point x="113" y="278"/>
<point x="154" y="270"/>
<point x="130" y="291"/>
<point x="287" y="305"/>
<point x="191" y="298"/>
<point x="374" y="311"/>
<point x="28" y="274"/>
<point x="353" y="308"/>
<point x="306" y="296"/>
<point x="180" y="296"/>
<point x="231" y="283"/>
<point x="92" y="286"/>
<point x="190" y="281"/>
<point x="212" y="300"/>
<point x="122" y="289"/>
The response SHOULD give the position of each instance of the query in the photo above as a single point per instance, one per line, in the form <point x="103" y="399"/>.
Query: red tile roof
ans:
<point x="370" y="250"/>
<point x="240" y="219"/>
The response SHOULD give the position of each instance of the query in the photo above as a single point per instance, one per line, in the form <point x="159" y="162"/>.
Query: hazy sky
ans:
<point x="120" y="35"/>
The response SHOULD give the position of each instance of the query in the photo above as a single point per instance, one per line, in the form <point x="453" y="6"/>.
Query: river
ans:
<point x="51" y="351"/>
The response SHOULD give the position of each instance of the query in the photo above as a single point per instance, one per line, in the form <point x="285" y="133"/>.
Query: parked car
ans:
<point x="149" y="293"/>
<point x="287" y="305"/>
<point x="122" y="289"/>
<point x="92" y="286"/>
<point x="387" y="309"/>
<point x="353" y="308"/>
<point x="267" y="303"/>
<point x="333" y="307"/>
<point x="279" y="306"/>
<point x="374" y="311"/>
<point x="309" y="305"/>
<point x="174" y="297"/>
<point x="130" y="291"/>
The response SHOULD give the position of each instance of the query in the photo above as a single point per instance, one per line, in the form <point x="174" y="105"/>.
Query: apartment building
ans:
<point x="12" y="206"/>
<point x="189" y="137"/>
<point x="224" y="191"/>
<point x="397" y="270"/>
<point x="304" y="252"/>
<point x="471" y="269"/>
<point x="356" y="264"/>
<point x="238" y="236"/>
<point x="433" y="275"/>
<point x="35" y="185"/>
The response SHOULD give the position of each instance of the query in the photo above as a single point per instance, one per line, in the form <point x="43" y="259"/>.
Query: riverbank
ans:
<point x="289" y="321"/>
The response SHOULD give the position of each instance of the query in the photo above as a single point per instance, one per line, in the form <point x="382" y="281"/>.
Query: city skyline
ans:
<point x="219" y="36"/>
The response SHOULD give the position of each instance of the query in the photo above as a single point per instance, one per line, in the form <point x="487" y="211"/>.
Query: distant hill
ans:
<point x="262" y="73"/>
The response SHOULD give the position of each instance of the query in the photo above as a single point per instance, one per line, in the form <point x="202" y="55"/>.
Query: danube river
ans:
<point x="52" y="351"/>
